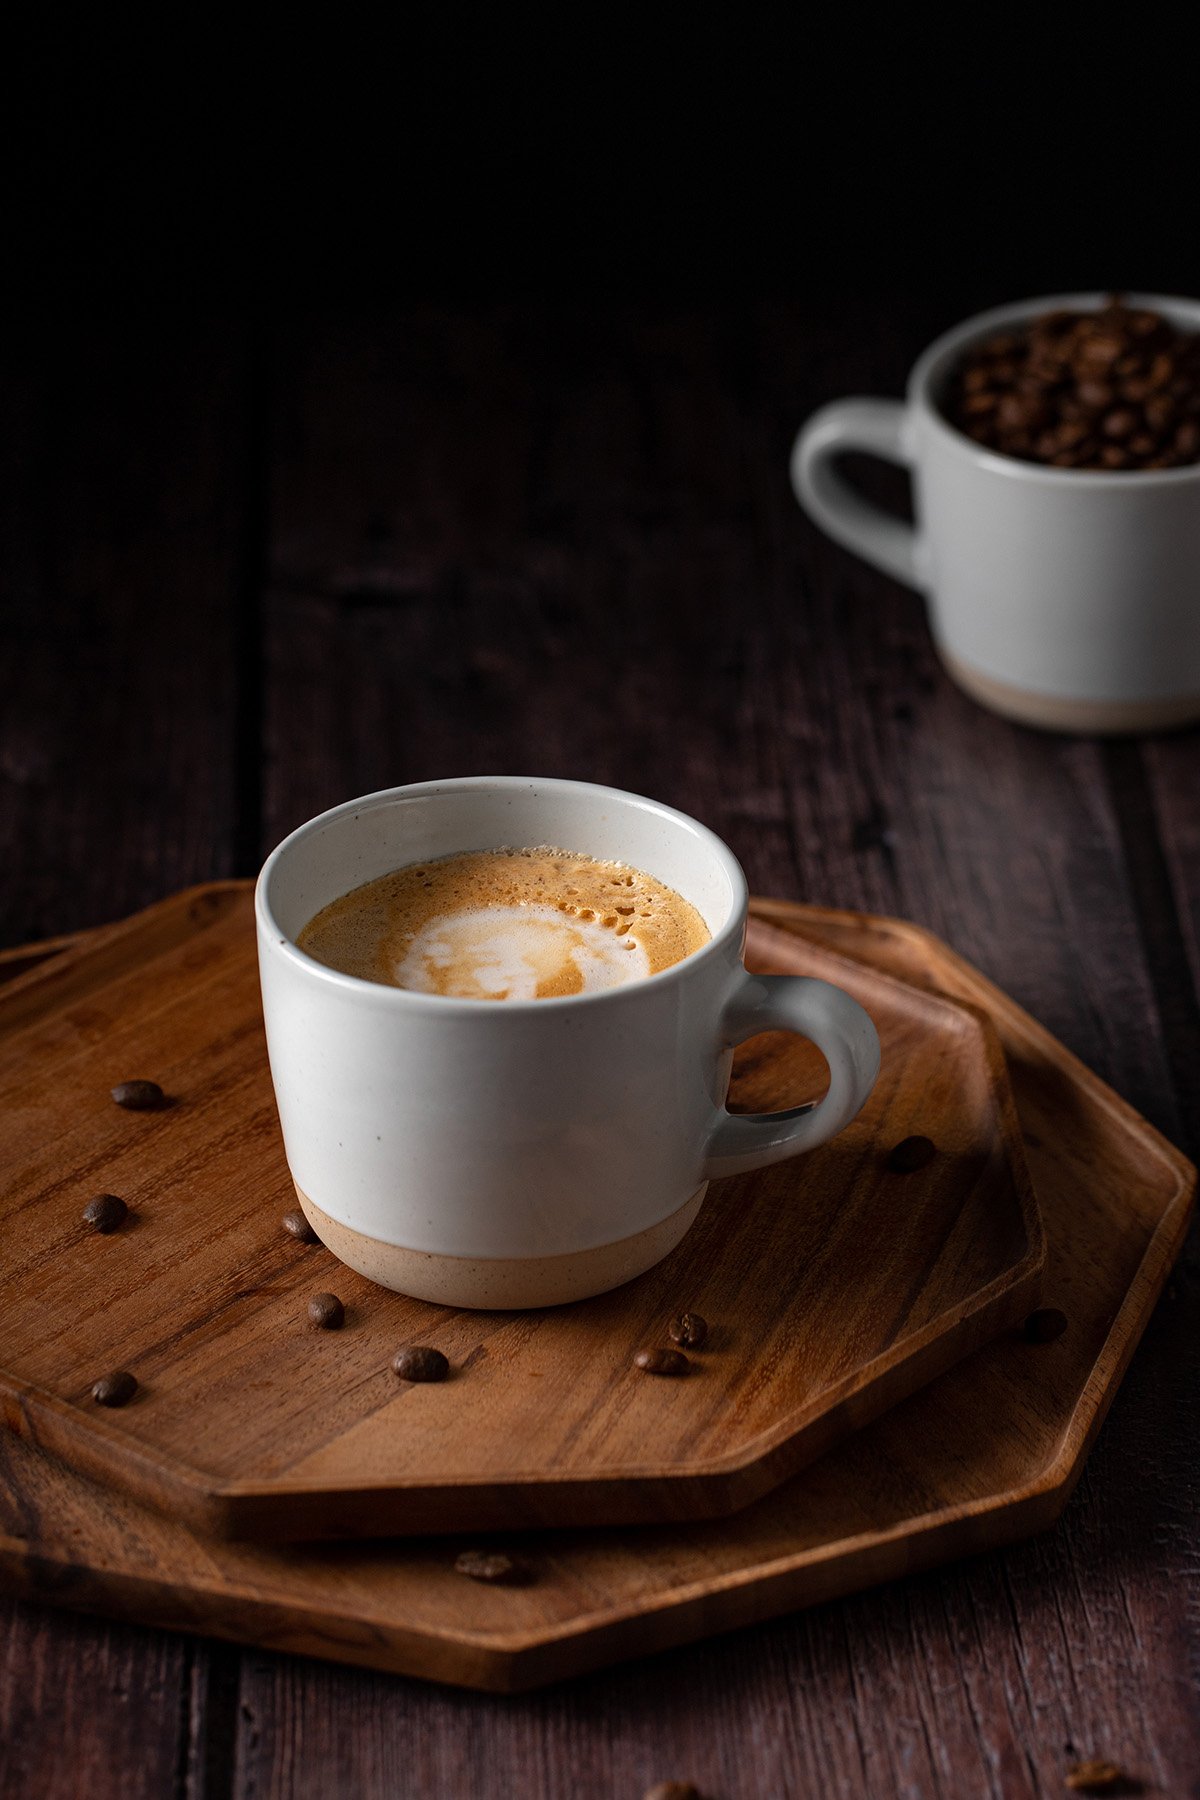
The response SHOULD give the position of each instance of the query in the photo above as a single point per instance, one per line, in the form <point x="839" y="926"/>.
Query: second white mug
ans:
<point x="1066" y="598"/>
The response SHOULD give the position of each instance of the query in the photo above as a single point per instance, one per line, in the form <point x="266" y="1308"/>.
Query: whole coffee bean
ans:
<point x="326" y="1312"/>
<point x="911" y="1154"/>
<point x="673" y="1790"/>
<point x="1096" y="1776"/>
<point x="1100" y="351"/>
<point x="1096" y="395"/>
<point x="116" y="1389"/>
<point x="688" y="1329"/>
<point x="662" y="1362"/>
<point x="493" y="1566"/>
<point x="1159" y="410"/>
<point x="419" y="1362"/>
<point x="1015" y="412"/>
<point x="1120" y="423"/>
<point x="138" y="1096"/>
<point x="296" y="1223"/>
<point x="1044" y="1325"/>
<point x="1143" y="324"/>
<point x="105" y="1213"/>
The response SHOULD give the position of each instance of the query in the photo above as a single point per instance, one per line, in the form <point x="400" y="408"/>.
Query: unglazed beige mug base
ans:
<point x="1090" y="717"/>
<point x="502" y="1284"/>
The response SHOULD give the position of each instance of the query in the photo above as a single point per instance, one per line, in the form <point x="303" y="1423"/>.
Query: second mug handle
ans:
<point x="846" y="1038"/>
<point x="881" y="428"/>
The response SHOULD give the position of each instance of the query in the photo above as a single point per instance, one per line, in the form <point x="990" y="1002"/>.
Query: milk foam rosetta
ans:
<point x="507" y="925"/>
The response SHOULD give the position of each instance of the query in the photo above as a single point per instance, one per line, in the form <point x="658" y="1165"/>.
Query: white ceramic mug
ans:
<point x="1066" y="598"/>
<point x="523" y="1153"/>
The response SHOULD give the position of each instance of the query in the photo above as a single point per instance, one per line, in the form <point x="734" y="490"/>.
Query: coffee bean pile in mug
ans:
<point x="1114" y="389"/>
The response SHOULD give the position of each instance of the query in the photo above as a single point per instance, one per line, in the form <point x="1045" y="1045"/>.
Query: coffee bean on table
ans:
<point x="420" y="1362"/>
<point x="116" y="1389"/>
<point x="105" y="1213"/>
<point x="662" y="1362"/>
<point x="298" y="1225"/>
<point x="1044" y="1325"/>
<point x="138" y="1096"/>
<point x="673" y="1790"/>
<point x="1095" y="1777"/>
<point x="326" y="1312"/>
<point x="493" y="1566"/>
<point x="911" y="1154"/>
<point x="688" y="1329"/>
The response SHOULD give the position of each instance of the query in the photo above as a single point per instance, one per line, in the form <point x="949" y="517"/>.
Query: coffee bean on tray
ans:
<point x="911" y="1154"/>
<point x="493" y="1566"/>
<point x="419" y="1362"/>
<point x="326" y="1312"/>
<point x="138" y="1096"/>
<point x="116" y="1389"/>
<point x="298" y="1225"/>
<point x="662" y="1362"/>
<point x="105" y="1213"/>
<point x="688" y="1329"/>
<point x="1044" y="1325"/>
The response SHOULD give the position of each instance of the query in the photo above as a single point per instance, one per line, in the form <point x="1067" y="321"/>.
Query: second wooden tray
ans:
<point x="834" y="1285"/>
<point x="986" y="1454"/>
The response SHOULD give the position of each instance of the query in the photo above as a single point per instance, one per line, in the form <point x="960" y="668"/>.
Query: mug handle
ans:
<point x="845" y="1036"/>
<point x="880" y="427"/>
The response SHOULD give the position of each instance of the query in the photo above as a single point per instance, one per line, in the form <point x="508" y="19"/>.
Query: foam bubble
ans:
<point x="518" y="953"/>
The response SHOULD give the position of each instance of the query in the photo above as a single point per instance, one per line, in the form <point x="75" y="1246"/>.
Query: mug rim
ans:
<point x="932" y="362"/>
<point x="379" y="993"/>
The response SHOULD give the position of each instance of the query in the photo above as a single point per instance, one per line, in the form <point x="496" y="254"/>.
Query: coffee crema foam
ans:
<point x="507" y="925"/>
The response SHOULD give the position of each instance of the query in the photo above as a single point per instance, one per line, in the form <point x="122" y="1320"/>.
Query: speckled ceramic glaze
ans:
<point x="525" y="1153"/>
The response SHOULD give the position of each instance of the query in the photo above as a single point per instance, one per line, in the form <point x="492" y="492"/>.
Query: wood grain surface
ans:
<point x="255" y="573"/>
<point x="986" y="1454"/>
<point x="247" y="1423"/>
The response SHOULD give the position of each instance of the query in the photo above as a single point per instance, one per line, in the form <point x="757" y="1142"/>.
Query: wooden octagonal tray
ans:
<point x="986" y="1454"/>
<point x="834" y="1285"/>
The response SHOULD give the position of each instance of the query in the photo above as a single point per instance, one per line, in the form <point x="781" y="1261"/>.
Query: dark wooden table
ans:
<point x="254" y="572"/>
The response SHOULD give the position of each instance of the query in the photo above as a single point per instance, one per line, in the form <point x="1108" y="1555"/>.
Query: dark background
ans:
<point x="601" y="152"/>
<point x="386" y="404"/>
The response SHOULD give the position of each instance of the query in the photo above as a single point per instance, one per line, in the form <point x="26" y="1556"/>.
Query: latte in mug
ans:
<point x="523" y="924"/>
